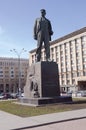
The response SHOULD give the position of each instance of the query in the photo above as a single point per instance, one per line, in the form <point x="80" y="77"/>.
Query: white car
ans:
<point x="1" y="96"/>
<point x="81" y="93"/>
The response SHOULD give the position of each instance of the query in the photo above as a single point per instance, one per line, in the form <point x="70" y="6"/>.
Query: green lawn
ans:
<point x="26" y="111"/>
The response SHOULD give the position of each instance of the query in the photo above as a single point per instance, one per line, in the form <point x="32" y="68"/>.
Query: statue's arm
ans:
<point x="50" y="28"/>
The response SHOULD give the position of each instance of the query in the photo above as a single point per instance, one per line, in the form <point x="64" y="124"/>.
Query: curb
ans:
<point x="28" y="127"/>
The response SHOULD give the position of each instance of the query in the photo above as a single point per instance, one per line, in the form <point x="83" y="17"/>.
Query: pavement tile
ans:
<point x="10" y="122"/>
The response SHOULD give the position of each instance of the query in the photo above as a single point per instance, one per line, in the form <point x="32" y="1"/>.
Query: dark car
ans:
<point x="7" y="96"/>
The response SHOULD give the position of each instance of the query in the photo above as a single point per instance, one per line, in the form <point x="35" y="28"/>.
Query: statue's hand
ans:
<point x="51" y="33"/>
<point x="35" y="37"/>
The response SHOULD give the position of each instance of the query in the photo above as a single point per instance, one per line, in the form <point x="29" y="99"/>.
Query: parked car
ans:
<point x="14" y="95"/>
<point x="81" y="93"/>
<point x="69" y="93"/>
<point x="5" y="96"/>
<point x="1" y="96"/>
<point x="63" y="93"/>
<point x="22" y="94"/>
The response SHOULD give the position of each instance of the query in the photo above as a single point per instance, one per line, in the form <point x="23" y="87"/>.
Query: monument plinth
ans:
<point x="42" y="85"/>
<point x="42" y="80"/>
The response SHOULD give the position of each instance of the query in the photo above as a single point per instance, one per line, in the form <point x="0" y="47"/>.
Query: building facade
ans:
<point x="9" y="74"/>
<point x="70" y="54"/>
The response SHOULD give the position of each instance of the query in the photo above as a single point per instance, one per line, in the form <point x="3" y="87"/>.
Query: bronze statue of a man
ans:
<point x="42" y="33"/>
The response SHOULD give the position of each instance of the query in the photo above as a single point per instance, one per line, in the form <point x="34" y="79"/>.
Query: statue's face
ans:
<point x="43" y="13"/>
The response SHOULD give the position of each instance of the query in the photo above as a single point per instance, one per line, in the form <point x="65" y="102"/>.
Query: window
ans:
<point x="73" y="75"/>
<point x="0" y="63"/>
<point x="61" y="52"/>
<point x="77" y="54"/>
<point x="83" y="45"/>
<point x="71" y="55"/>
<point x="62" y="64"/>
<point x="62" y="75"/>
<point x="73" y="81"/>
<point x="67" y="69"/>
<point x="12" y="76"/>
<point x="71" y="49"/>
<point x="83" y="38"/>
<point x="56" y="54"/>
<point x="57" y="59"/>
<point x="66" y="45"/>
<point x="84" y="73"/>
<point x="32" y="58"/>
<point x="78" y="67"/>
<point x="66" y="57"/>
<point x="78" y="61"/>
<point x="71" y="44"/>
<point x="52" y="50"/>
<point x="61" y="47"/>
<point x="12" y="72"/>
<point x="66" y="51"/>
<point x="84" y="66"/>
<point x="67" y="64"/>
<point x="61" y="58"/>
<point x="63" y="82"/>
<point x="78" y="74"/>
<point x="68" y="81"/>
<point x="1" y="76"/>
<point x="77" y="48"/>
<point x="73" y="67"/>
<point x="72" y="62"/>
<point x="56" y="48"/>
<point x="84" y="52"/>
<point x="78" y="41"/>
<point x="62" y="69"/>
<point x="84" y="59"/>
<point x="1" y="72"/>
<point x="67" y="75"/>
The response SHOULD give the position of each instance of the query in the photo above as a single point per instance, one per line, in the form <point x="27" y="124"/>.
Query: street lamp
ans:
<point x="19" y="72"/>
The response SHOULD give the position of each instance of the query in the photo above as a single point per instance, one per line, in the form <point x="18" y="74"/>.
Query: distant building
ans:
<point x="70" y="54"/>
<point x="9" y="74"/>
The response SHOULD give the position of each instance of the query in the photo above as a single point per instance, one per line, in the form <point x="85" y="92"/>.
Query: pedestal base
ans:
<point x="42" y="85"/>
<point x="45" y="101"/>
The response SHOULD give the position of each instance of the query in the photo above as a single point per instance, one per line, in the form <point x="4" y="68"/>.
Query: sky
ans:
<point x="17" y="18"/>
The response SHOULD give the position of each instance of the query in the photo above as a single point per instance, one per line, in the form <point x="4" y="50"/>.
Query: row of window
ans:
<point x="11" y="63"/>
<point x="68" y="81"/>
<point x="71" y="43"/>
<point x="66" y="46"/>
<point x="12" y="76"/>
<point x="73" y="75"/>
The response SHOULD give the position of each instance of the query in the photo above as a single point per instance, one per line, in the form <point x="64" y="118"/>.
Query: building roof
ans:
<point x="77" y="32"/>
<point x="11" y="58"/>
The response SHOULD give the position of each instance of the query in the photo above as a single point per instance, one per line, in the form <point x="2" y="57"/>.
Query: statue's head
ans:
<point x="43" y="12"/>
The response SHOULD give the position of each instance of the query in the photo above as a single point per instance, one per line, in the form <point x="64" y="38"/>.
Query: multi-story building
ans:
<point x="70" y="54"/>
<point x="9" y="74"/>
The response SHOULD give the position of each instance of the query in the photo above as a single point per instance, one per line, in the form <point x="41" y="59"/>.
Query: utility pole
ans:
<point x="19" y="69"/>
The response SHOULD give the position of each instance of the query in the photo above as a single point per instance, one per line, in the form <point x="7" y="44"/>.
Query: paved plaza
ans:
<point x="79" y="124"/>
<point x="70" y="120"/>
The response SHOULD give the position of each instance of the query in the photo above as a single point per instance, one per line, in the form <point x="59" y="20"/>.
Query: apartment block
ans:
<point x="69" y="52"/>
<point x="10" y="70"/>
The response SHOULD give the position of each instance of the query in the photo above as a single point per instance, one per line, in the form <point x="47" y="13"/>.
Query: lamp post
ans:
<point x="19" y="70"/>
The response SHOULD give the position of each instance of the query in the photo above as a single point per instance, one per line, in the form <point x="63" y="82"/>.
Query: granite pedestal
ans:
<point x="42" y="85"/>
